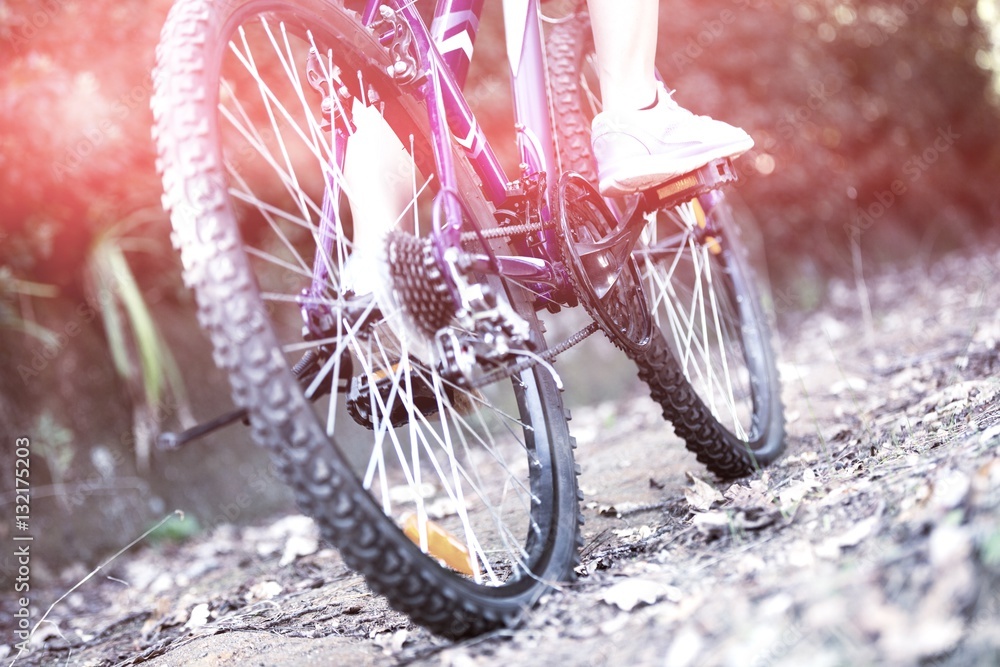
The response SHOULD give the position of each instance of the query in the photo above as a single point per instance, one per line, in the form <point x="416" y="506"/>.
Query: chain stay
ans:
<point x="546" y="355"/>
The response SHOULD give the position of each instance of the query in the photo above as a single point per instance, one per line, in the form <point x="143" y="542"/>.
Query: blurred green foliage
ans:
<point x="76" y="174"/>
<point x="174" y="531"/>
<point x="75" y="152"/>
<point x="14" y="293"/>
<point x="141" y="357"/>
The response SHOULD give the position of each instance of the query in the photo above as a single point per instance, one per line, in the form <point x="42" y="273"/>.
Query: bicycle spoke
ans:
<point x="699" y="322"/>
<point x="272" y="103"/>
<point x="288" y="178"/>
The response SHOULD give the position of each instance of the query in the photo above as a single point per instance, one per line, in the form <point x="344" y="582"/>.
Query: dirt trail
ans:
<point x="874" y="541"/>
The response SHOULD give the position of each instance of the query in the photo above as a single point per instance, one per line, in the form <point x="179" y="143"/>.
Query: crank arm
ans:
<point x="612" y="252"/>
<point x="607" y="257"/>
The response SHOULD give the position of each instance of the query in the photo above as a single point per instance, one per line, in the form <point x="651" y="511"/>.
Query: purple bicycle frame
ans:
<point x="445" y="52"/>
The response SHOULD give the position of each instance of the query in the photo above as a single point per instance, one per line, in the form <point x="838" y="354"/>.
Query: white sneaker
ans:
<point x="636" y="150"/>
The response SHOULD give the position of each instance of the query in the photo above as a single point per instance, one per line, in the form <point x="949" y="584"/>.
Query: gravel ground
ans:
<point x="875" y="540"/>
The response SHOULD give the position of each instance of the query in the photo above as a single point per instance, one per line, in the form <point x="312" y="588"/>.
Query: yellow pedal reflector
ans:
<point x="713" y="245"/>
<point x="381" y="373"/>
<point x="440" y="543"/>
<point x="699" y="212"/>
<point x="711" y="242"/>
<point x="675" y="186"/>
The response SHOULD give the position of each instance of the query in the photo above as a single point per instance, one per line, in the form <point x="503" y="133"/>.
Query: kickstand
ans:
<point x="169" y="440"/>
<point x="304" y="370"/>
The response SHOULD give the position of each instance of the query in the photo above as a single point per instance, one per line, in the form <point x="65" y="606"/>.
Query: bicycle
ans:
<point x="412" y="402"/>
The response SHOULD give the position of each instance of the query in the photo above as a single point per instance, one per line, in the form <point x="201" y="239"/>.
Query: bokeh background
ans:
<point x="877" y="147"/>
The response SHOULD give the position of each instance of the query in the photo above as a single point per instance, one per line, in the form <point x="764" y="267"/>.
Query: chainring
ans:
<point x="585" y="220"/>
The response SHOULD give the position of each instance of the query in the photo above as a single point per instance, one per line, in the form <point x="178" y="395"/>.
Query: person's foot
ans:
<point x="637" y="150"/>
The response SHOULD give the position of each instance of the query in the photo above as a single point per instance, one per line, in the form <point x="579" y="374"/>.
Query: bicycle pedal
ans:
<point x="687" y="186"/>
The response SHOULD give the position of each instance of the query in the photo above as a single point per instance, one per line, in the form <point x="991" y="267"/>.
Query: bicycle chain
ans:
<point x="509" y="231"/>
<point x="550" y="353"/>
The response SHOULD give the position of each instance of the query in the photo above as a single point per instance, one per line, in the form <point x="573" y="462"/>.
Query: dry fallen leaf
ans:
<point x="298" y="545"/>
<point x="712" y="524"/>
<point x="986" y="481"/>
<point x="684" y="648"/>
<point x="754" y="495"/>
<point x="161" y="617"/>
<point x="701" y="495"/>
<point x="848" y="384"/>
<point x="43" y="633"/>
<point x="951" y="489"/>
<point x="990" y="434"/>
<point x="794" y="494"/>
<point x="634" y="533"/>
<point x="264" y="590"/>
<point x="949" y="547"/>
<point x="630" y="593"/>
<point x="716" y="523"/>
<point x="925" y="638"/>
<point x="457" y="657"/>
<point x="831" y="548"/>
<point x="392" y="641"/>
<point x="198" y="616"/>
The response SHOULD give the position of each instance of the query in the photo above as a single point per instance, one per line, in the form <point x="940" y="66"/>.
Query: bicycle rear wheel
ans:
<point x="709" y="364"/>
<point x="459" y="505"/>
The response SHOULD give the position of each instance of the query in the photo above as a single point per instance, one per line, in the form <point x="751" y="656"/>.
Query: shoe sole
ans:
<point x="643" y="173"/>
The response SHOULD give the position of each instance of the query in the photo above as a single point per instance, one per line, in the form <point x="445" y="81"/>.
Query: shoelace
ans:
<point x="671" y="103"/>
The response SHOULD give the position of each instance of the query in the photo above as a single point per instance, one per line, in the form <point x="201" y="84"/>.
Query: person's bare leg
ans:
<point x="625" y="43"/>
<point x="643" y="137"/>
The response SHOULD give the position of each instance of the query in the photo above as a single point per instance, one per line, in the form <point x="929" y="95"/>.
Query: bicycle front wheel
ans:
<point x="711" y="368"/>
<point x="459" y="505"/>
<point x="709" y="364"/>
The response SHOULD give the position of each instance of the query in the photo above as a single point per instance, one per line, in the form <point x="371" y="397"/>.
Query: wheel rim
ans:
<point x="467" y="475"/>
